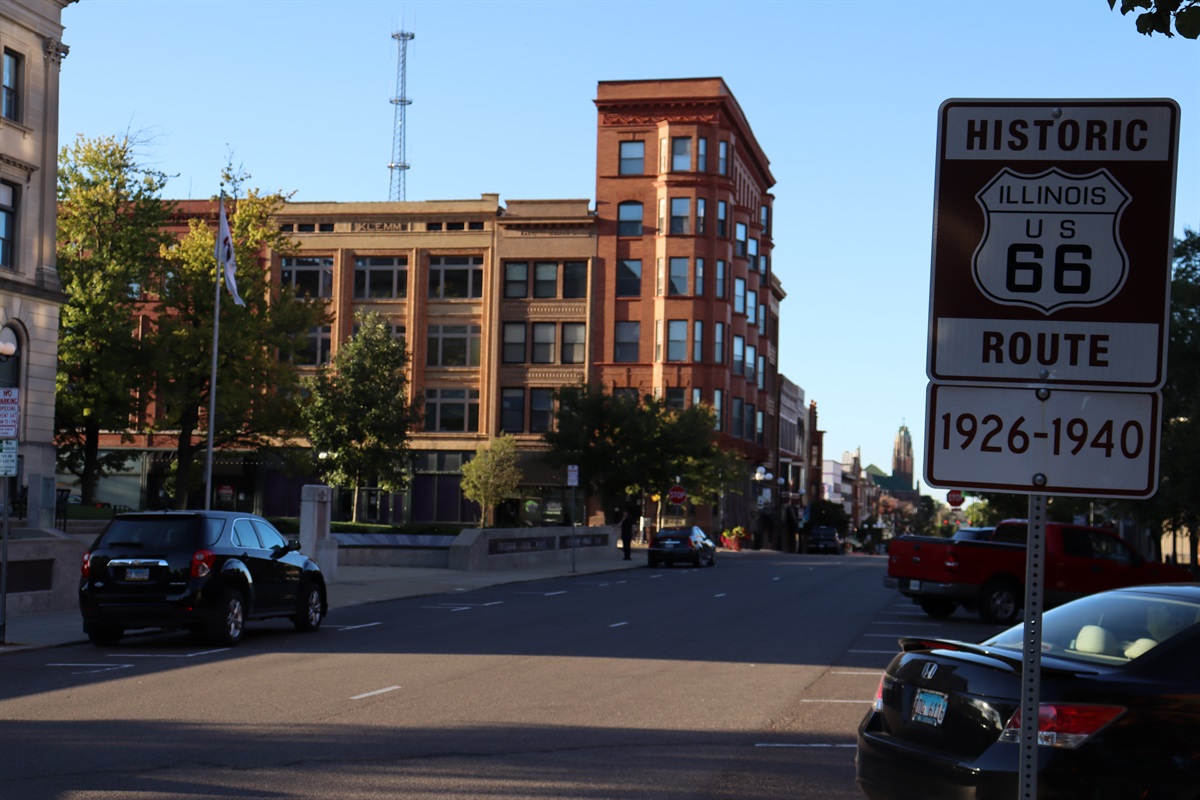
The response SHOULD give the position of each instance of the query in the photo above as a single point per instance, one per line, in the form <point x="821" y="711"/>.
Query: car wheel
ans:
<point x="712" y="558"/>
<point x="105" y="635"/>
<point x="308" y="617"/>
<point x="696" y="562"/>
<point x="999" y="601"/>
<point x="938" y="606"/>
<point x="227" y="629"/>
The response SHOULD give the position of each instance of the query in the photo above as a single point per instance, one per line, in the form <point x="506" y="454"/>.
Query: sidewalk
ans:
<point x="354" y="586"/>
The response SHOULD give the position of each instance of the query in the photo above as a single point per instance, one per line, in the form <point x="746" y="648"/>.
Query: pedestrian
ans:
<point x="626" y="533"/>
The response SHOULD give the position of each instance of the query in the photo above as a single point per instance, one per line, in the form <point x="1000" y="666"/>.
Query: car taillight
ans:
<point x="85" y="568"/>
<point x="1064" y="724"/>
<point x="951" y="561"/>
<point x="877" y="704"/>
<point x="202" y="563"/>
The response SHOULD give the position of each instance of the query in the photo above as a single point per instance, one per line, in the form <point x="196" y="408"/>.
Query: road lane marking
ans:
<point x="815" y="745"/>
<point x="171" y="655"/>
<point x="722" y="594"/>
<point x="885" y="652"/>
<point x="618" y="624"/>
<point x="97" y="667"/>
<point x="355" y="627"/>
<point x="838" y="701"/>
<point x="372" y="694"/>
<point x="874" y="673"/>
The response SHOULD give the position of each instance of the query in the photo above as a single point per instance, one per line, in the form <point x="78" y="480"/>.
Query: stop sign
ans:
<point x="677" y="495"/>
<point x="954" y="497"/>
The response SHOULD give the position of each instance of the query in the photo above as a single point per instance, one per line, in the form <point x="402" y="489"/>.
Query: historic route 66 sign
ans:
<point x="1050" y="240"/>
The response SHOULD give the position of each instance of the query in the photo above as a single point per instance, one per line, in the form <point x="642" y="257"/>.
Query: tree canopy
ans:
<point x="111" y="228"/>
<point x="1156" y="16"/>
<point x="357" y="412"/>
<point x="256" y="377"/>
<point x="492" y="475"/>
<point x="626" y="447"/>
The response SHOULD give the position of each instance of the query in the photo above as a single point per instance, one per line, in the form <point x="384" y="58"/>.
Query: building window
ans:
<point x="516" y="279"/>
<point x="662" y="154"/>
<point x="626" y="341"/>
<point x="701" y="214"/>
<point x="739" y="355"/>
<point x="381" y="278"/>
<point x="513" y="346"/>
<point x="720" y="285"/>
<point x="678" y="283"/>
<point x="574" y="279"/>
<point x="317" y="347"/>
<point x="676" y="397"/>
<point x="629" y="219"/>
<point x="541" y="410"/>
<point x="702" y="155"/>
<point x="751" y="361"/>
<point x="8" y="225"/>
<point x="695" y="397"/>
<point x="739" y="295"/>
<point x="681" y="154"/>
<point x="10" y="100"/>
<point x="759" y="427"/>
<point x="681" y="211"/>
<point x="662" y="212"/>
<point x="723" y="158"/>
<point x="308" y="277"/>
<point x="658" y="339"/>
<point x="512" y="410"/>
<point x="762" y="372"/>
<point x="456" y="226"/>
<point x="699" y="289"/>
<point x="545" y="279"/>
<point x="629" y="278"/>
<point x="718" y="408"/>
<point x="719" y="343"/>
<point x="633" y="158"/>
<point x="722" y="219"/>
<point x="573" y="342"/>
<point x="751" y="309"/>
<point x="762" y="320"/>
<point x="739" y="245"/>
<point x="452" y="346"/>
<point x="698" y="341"/>
<point x="752" y="249"/>
<point x="455" y="277"/>
<point x="738" y="414"/>
<point x="764" y="219"/>
<point x="543" y="343"/>
<point x="451" y="410"/>
<point x="474" y="226"/>
<point x="677" y="340"/>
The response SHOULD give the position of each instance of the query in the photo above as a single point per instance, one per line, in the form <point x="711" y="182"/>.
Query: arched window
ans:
<point x="10" y="358"/>
<point x="629" y="219"/>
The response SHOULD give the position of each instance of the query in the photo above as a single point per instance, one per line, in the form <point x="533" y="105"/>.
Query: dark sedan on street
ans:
<point x="1119" y="714"/>
<point x="684" y="544"/>
<point x="207" y="571"/>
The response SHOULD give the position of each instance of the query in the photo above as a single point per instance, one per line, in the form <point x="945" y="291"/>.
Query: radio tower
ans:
<point x="398" y="165"/>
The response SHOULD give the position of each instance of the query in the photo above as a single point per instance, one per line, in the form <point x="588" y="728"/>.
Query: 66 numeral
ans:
<point x="1070" y="436"/>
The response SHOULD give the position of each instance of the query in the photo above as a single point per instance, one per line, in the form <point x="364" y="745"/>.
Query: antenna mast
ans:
<point x="398" y="165"/>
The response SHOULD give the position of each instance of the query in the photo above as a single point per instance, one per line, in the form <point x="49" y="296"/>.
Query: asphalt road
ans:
<point x="745" y="681"/>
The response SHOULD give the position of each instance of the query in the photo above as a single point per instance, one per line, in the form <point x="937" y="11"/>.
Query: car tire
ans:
<point x="938" y="607"/>
<point x="308" y="615"/>
<point x="104" y="635"/>
<point x="696" y="561"/>
<point x="230" y="624"/>
<point x="1000" y="601"/>
<point x="653" y="564"/>
<point x="712" y="558"/>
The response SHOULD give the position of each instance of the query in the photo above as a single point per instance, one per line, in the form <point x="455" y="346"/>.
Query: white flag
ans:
<point x="225" y="258"/>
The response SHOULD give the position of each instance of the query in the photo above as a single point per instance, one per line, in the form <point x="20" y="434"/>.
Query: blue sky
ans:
<point x="842" y="96"/>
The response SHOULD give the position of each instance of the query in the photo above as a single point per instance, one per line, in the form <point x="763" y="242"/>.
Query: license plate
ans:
<point x="929" y="707"/>
<point x="137" y="574"/>
<point x="914" y="585"/>
<point x="669" y="544"/>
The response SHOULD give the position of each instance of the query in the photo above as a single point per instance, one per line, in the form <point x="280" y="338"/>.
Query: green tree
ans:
<point x="357" y="413"/>
<point x="1156" y="16"/>
<point x="111" y="223"/>
<point x="626" y="448"/>
<point x="256" y="378"/>
<point x="491" y="476"/>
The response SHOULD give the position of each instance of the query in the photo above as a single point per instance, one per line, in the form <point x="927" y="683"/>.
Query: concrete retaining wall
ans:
<point x="515" y="548"/>
<point x="43" y="571"/>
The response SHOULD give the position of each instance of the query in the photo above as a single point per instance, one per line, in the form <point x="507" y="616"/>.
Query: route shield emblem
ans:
<point x="1051" y="240"/>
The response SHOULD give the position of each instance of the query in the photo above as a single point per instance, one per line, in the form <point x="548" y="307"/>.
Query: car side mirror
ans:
<point x="293" y="546"/>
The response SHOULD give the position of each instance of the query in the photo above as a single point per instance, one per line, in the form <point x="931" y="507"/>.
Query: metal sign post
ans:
<point x="1049" y="296"/>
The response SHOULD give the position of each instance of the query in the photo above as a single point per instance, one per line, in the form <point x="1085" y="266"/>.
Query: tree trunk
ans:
<point x="354" y="509"/>
<point x="91" y="464"/>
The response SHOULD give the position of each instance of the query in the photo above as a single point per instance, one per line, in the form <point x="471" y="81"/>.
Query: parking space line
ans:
<point x="372" y="694"/>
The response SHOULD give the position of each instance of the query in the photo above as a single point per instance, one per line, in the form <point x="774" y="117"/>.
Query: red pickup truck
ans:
<point x="987" y="574"/>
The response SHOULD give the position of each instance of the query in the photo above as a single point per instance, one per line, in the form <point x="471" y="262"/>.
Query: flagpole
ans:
<point x="212" y="381"/>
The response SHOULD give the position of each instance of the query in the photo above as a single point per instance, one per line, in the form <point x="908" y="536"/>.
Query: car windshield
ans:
<point x="157" y="533"/>
<point x="1108" y="628"/>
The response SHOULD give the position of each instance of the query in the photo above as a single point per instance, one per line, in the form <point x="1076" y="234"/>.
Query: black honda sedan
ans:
<point x="687" y="544"/>
<point x="1119" y="707"/>
<point x="207" y="571"/>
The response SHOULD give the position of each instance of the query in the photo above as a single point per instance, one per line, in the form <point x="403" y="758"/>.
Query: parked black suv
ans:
<point x="208" y="571"/>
